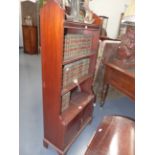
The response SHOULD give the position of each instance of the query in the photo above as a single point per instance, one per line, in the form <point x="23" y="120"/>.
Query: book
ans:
<point x="65" y="101"/>
<point x="77" y="45"/>
<point x="75" y="71"/>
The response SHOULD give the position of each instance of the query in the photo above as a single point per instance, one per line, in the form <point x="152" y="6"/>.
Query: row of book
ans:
<point x="77" y="45"/>
<point x="73" y="72"/>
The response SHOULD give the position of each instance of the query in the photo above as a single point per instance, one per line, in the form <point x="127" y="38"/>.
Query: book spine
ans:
<point x="77" y="45"/>
<point x="75" y="70"/>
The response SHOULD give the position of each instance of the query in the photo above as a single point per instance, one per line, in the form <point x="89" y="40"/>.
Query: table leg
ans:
<point x="61" y="153"/>
<point x="104" y="94"/>
<point x="45" y="144"/>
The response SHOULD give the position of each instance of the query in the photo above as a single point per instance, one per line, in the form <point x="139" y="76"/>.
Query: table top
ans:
<point x="130" y="71"/>
<point x="115" y="135"/>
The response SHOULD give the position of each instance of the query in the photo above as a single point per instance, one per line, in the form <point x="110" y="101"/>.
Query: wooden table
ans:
<point x="114" y="136"/>
<point x="121" y="79"/>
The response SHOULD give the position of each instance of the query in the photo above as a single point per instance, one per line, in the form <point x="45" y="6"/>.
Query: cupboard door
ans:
<point x="33" y="39"/>
<point x="26" y="39"/>
<point x="30" y="39"/>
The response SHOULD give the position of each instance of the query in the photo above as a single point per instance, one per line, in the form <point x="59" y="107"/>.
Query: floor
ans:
<point x="31" y="116"/>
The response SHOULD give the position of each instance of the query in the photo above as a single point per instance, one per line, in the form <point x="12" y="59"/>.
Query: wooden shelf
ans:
<point x="78" y="25"/>
<point x="78" y="102"/>
<point x="72" y="86"/>
<point x="78" y="58"/>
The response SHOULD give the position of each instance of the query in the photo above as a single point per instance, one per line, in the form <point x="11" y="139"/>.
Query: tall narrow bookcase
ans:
<point x="68" y="51"/>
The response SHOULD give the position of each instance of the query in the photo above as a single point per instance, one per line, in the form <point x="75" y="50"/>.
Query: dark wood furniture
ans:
<point x="30" y="39"/>
<point x="107" y="38"/>
<point x="29" y="10"/>
<point x="61" y="128"/>
<point x="120" y="78"/>
<point x="114" y="136"/>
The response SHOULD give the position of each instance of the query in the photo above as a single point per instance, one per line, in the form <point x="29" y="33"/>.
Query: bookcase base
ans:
<point x="63" y="152"/>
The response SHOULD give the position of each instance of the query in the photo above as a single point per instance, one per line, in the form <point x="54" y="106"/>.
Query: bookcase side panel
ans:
<point x="95" y="46"/>
<point x="52" y="31"/>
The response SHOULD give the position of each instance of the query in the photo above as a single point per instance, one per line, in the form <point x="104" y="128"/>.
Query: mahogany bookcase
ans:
<point x="62" y="128"/>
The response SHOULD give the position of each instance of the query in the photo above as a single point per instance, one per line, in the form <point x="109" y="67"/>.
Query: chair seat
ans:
<point x="114" y="136"/>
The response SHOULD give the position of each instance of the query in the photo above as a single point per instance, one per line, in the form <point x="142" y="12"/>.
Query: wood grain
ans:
<point x="114" y="136"/>
<point x="30" y="39"/>
<point x="119" y="78"/>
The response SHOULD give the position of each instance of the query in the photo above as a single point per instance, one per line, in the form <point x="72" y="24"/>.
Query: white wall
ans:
<point x="112" y="9"/>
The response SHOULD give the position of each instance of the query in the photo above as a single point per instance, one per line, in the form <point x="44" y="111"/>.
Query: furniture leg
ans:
<point x="104" y="94"/>
<point x="61" y="153"/>
<point x="45" y="144"/>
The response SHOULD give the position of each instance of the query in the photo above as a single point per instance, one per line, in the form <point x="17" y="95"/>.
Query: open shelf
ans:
<point x="78" y="58"/>
<point x="78" y="25"/>
<point x="72" y="86"/>
<point x="78" y="102"/>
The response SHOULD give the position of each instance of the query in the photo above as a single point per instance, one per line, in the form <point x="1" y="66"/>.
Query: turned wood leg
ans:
<point x="45" y="144"/>
<point x="104" y="94"/>
<point x="62" y="153"/>
<point x="90" y="121"/>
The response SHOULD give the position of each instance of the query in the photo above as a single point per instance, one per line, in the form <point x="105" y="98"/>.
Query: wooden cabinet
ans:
<point x="69" y="51"/>
<point x="29" y="12"/>
<point x="30" y="39"/>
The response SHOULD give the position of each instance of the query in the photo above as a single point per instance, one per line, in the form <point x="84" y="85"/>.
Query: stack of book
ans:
<point x="65" y="101"/>
<point x="77" y="45"/>
<point x="73" y="72"/>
